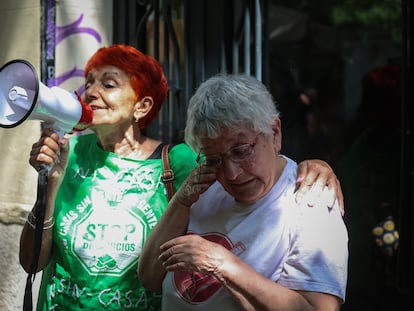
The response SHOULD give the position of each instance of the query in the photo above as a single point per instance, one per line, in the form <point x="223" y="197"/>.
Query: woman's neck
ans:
<point x="130" y="143"/>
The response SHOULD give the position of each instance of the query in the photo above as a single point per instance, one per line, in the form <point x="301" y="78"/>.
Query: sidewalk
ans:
<point x="13" y="280"/>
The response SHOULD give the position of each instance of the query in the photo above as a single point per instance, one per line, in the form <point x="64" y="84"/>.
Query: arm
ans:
<point x="317" y="182"/>
<point x="318" y="235"/>
<point x="193" y="253"/>
<point x="249" y="288"/>
<point x="45" y="151"/>
<point x="172" y="223"/>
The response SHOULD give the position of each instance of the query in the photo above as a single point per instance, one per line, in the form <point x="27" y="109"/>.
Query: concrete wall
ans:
<point x="20" y="38"/>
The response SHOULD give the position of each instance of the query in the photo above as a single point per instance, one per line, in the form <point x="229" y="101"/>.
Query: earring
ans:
<point x="136" y="119"/>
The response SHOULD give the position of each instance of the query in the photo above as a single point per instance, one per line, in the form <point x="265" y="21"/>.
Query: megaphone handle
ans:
<point x="55" y="129"/>
<point x="59" y="132"/>
<point x="45" y="169"/>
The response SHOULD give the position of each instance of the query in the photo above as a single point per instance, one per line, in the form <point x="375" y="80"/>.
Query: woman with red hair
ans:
<point x="105" y="191"/>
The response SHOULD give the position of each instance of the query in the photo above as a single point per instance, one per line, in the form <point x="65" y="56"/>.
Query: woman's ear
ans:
<point x="142" y="107"/>
<point x="277" y="134"/>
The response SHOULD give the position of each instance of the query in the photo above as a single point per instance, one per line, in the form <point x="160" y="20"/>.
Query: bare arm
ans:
<point x="173" y="223"/>
<point x="249" y="288"/>
<point x="45" y="151"/>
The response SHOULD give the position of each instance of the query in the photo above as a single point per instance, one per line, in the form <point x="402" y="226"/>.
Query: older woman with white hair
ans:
<point x="234" y="237"/>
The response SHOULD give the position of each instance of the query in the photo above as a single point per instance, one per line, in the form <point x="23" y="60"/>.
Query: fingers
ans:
<point x="311" y="181"/>
<point x="191" y="253"/>
<point x="315" y="194"/>
<point x="334" y="183"/>
<point x="200" y="179"/>
<point x="334" y="186"/>
<point x="325" y="197"/>
<point x="313" y="177"/>
<point x="63" y="150"/>
<point x="174" y="254"/>
<point x="46" y="151"/>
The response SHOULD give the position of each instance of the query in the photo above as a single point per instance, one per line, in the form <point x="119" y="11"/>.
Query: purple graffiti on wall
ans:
<point x="73" y="73"/>
<point x="62" y="32"/>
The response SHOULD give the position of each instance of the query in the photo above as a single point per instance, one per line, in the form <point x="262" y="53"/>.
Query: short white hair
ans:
<point x="227" y="101"/>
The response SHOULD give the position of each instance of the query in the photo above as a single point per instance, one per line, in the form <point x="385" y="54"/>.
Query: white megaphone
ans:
<point x="23" y="96"/>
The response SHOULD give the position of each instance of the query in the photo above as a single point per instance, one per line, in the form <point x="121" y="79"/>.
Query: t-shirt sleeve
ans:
<point x="318" y="258"/>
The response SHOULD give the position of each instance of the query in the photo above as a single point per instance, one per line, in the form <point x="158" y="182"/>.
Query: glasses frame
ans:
<point x="230" y="154"/>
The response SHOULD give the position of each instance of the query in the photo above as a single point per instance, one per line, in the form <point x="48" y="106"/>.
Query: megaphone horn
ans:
<point x="23" y="96"/>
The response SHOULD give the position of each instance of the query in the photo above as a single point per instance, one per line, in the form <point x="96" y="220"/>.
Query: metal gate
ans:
<point x="193" y="40"/>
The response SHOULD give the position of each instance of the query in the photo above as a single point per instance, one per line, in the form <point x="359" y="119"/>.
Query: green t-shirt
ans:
<point x="105" y="209"/>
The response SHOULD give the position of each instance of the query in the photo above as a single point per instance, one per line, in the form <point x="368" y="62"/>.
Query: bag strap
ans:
<point x="167" y="173"/>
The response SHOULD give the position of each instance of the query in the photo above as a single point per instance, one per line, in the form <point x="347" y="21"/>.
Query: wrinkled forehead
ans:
<point x="226" y="139"/>
<point x="107" y="70"/>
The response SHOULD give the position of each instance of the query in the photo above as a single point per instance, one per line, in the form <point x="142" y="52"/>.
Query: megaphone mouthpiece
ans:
<point x="86" y="116"/>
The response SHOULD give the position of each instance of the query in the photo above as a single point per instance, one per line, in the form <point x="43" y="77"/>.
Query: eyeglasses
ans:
<point x="236" y="154"/>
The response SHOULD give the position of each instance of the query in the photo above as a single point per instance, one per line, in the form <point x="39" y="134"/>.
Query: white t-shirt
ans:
<point x="299" y="247"/>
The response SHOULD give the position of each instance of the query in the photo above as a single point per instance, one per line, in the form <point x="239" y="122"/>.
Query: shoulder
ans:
<point x="318" y="221"/>
<point x="291" y="167"/>
<point x="183" y="148"/>
<point x="182" y="153"/>
<point x="317" y="235"/>
<point x="82" y="138"/>
<point x="319" y="229"/>
<point x="182" y="161"/>
<point x="287" y="180"/>
<point x="82" y="142"/>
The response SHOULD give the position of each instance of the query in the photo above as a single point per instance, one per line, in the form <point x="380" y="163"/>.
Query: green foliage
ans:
<point x="362" y="15"/>
<point x="367" y="13"/>
<point x="373" y="15"/>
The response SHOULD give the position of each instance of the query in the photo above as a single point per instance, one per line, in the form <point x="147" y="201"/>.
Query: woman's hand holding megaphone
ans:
<point x="50" y="152"/>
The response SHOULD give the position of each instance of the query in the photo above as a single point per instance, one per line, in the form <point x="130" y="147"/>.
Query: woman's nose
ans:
<point x="92" y="91"/>
<point x="231" y="169"/>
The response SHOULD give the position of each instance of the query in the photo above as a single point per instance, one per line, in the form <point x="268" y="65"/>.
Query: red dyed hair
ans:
<point x="146" y="74"/>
